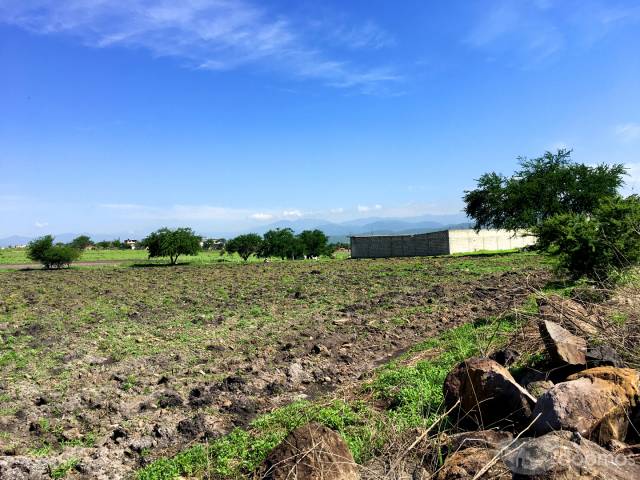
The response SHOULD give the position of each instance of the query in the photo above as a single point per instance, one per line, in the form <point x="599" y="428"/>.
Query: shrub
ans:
<point x="172" y="243"/>
<point x="595" y="245"/>
<point x="81" y="242"/>
<point x="43" y="250"/>
<point x="282" y="243"/>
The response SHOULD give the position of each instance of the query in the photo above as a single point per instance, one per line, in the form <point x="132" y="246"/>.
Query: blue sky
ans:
<point x="123" y="116"/>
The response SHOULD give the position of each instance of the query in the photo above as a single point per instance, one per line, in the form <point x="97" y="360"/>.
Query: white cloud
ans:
<point x="292" y="214"/>
<point x="261" y="216"/>
<point x="628" y="132"/>
<point x="337" y="210"/>
<point x="208" y="34"/>
<point x="367" y="208"/>
<point x="41" y="224"/>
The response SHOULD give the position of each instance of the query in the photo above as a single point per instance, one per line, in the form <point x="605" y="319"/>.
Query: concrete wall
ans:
<point x="383" y="246"/>
<point x="464" y="241"/>
<point x="436" y="243"/>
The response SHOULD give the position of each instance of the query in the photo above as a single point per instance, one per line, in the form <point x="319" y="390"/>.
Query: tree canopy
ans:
<point x="244" y="245"/>
<point x="282" y="243"/>
<point x="543" y="187"/>
<point x="81" y="242"/>
<point x="172" y="243"/>
<point x="314" y="243"/>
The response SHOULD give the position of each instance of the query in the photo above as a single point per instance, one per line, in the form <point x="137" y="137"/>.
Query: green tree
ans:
<point x="81" y="242"/>
<point x="43" y="250"/>
<point x="598" y="244"/>
<point x="543" y="187"/>
<point x="314" y="243"/>
<point x="282" y="243"/>
<point x="172" y="243"/>
<point x="244" y="245"/>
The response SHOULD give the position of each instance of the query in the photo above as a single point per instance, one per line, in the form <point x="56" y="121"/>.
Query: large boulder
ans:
<point x="594" y="408"/>
<point x="488" y="394"/>
<point x="567" y="456"/>
<point x="563" y="347"/>
<point x="310" y="452"/>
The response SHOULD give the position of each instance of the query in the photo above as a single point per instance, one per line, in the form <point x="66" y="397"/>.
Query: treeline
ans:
<point x="173" y="243"/>
<point x="282" y="243"/>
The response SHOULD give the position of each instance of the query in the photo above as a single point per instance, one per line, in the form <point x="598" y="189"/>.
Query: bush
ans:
<point x="43" y="250"/>
<point x="81" y="242"/>
<point x="172" y="243"/>
<point x="595" y="245"/>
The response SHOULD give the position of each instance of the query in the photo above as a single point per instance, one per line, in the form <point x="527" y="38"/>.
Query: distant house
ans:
<point x="444" y="242"/>
<point x="129" y="242"/>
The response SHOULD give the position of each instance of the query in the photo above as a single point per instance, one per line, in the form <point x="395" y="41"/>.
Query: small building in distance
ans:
<point x="444" y="242"/>
<point x="131" y="243"/>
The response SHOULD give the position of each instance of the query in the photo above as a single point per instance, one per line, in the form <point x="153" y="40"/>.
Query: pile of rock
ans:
<point x="570" y="421"/>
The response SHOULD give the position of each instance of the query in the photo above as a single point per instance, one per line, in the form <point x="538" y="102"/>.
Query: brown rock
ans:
<point x="594" y="408"/>
<point x="626" y="378"/>
<point x="311" y="452"/>
<point x="488" y="394"/>
<point x="567" y="456"/>
<point x="465" y="464"/>
<point x="562" y="345"/>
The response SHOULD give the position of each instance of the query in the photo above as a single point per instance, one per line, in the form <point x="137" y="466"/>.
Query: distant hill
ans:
<point x="336" y="231"/>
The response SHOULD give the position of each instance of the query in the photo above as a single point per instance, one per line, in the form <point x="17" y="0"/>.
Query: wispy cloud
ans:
<point x="531" y="32"/>
<point x="292" y="213"/>
<point x="39" y="224"/>
<point x="207" y="34"/>
<point x="628" y="132"/>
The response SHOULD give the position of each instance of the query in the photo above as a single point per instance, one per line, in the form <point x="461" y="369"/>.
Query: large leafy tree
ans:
<point x="81" y="242"/>
<point x="244" y="245"/>
<point x="543" y="187"/>
<point x="172" y="243"/>
<point x="43" y="250"/>
<point x="282" y="243"/>
<point x="314" y="243"/>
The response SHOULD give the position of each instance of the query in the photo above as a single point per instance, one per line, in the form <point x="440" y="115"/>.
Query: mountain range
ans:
<point x="336" y="231"/>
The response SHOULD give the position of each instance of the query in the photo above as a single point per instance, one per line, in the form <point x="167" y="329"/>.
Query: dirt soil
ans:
<point x="116" y="367"/>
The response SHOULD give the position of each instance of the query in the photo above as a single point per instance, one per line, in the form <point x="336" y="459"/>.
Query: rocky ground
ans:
<point x="106" y="370"/>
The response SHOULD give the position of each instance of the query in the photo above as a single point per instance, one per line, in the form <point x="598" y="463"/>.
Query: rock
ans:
<point x="594" y="408"/>
<point x="488" y="394"/>
<point x="539" y="388"/>
<point x="169" y="398"/>
<point x="505" y="357"/>
<point x="192" y="427"/>
<point x="310" y="452"/>
<point x="603" y="355"/>
<point x="465" y="464"/>
<point x="563" y="347"/>
<point x="567" y="456"/>
<point x="491" y="439"/>
<point x="626" y="378"/>
<point x="297" y="374"/>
